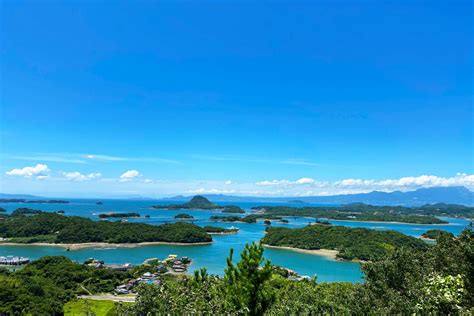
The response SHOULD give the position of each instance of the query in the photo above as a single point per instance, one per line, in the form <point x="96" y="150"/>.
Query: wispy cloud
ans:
<point x="85" y="158"/>
<point x="133" y="159"/>
<point x="300" y="162"/>
<point x="104" y="158"/>
<point x="294" y="161"/>
<point x="51" y="158"/>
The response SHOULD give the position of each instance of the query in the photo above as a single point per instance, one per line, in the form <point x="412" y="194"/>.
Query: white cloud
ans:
<point x="305" y="181"/>
<point x="211" y="191"/>
<point x="77" y="176"/>
<point x="461" y="179"/>
<point x="39" y="171"/>
<point x="302" y="181"/>
<point x="129" y="175"/>
<point x="147" y="181"/>
<point x="228" y="182"/>
<point x="350" y="185"/>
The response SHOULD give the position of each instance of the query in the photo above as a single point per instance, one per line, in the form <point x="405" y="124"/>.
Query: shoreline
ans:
<point x="320" y="252"/>
<point x="78" y="246"/>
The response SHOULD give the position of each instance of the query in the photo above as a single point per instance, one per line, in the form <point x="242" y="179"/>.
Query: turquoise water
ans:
<point x="213" y="256"/>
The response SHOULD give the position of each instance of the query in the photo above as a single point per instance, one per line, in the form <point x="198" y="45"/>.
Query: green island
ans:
<point x="249" y="219"/>
<point x="355" y="212"/>
<point x="59" y="229"/>
<point x="200" y="203"/>
<point x="231" y="218"/>
<point x="183" y="216"/>
<point x="351" y="243"/>
<point x="118" y="215"/>
<point x="220" y="230"/>
<point x="405" y="281"/>
<point x="435" y="234"/>
<point x="233" y="209"/>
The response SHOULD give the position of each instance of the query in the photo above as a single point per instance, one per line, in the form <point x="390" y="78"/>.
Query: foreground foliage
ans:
<point x="43" y="286"/>
<point x="435" y="280"/>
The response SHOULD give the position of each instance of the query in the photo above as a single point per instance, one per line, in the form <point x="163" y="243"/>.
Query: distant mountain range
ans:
<point x="451" y="195"/>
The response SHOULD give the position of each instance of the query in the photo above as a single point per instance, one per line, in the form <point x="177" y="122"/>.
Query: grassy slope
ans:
<point x="82" y="307"/>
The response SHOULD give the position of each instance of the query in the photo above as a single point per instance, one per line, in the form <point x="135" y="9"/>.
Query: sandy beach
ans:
<point x="320" y="252"/>
<point x="104" y="245"/>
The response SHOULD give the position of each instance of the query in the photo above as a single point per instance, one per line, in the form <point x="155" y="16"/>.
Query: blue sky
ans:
<point x="239" y="97"/>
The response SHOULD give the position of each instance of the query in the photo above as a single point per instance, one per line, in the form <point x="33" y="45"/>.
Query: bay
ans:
<point x="212" y="256"/>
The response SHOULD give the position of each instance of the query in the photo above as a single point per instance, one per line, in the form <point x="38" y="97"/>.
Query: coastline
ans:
<point x="320" y="252"/>
<point x="78" y="246"/>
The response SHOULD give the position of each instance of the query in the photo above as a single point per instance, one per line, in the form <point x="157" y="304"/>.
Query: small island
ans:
<point x="296" y="202"/>
<point x="119" y="215"/>
<point x="232" y="209"/>
<point x="183" y="216"/>
<point x="99" y="203"/>
<point x="434" y="234"/>
<point x="76" y="232"/>
<point x="341" y="242"/>
<point x="215" y="230"/>
<point x="354" y="212"/>
<point x="199" y="202"/>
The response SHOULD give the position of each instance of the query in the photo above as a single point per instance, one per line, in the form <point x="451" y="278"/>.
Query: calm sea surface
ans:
<point x="213" y="256"/>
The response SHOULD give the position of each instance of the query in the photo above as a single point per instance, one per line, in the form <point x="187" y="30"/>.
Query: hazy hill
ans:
<point x="450" y="195"/>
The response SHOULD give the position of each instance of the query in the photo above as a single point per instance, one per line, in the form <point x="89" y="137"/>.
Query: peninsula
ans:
<point x="356" y="212"/>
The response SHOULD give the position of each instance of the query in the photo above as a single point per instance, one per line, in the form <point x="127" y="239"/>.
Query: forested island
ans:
<point x="355" y="212"/>
<point x="200" y="203"/>
<point x="59" y="229"/>
<point x="183" y="216"/>
<point x="249" y="219"/>
<point x="232" y="209"/>
<point x="220" y="230"/>
<point x="351" y="243"/>
<point x="119" y="215"/>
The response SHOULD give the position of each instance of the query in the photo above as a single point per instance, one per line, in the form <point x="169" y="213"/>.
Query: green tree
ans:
<point x="247" y="283"/>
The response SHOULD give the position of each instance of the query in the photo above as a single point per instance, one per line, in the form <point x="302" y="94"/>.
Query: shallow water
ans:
<point x="213" y="256"/>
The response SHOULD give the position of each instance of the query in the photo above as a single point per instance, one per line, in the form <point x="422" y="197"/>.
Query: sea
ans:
<point x="212" y="256"/>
